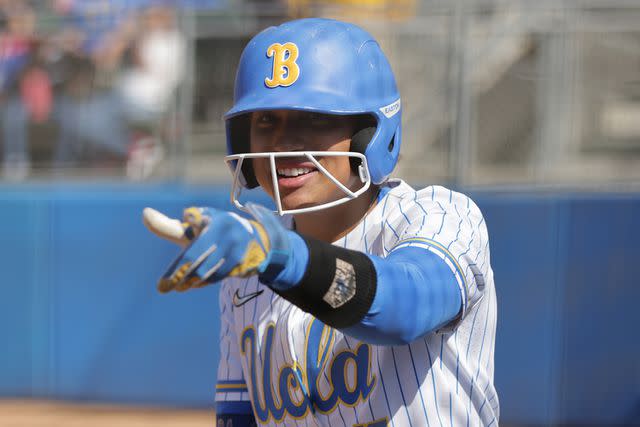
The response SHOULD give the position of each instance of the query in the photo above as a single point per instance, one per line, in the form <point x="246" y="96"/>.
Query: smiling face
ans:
<point x="299" y="182"/>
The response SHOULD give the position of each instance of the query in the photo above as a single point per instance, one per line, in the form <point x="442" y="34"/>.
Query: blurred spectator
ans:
<point x="88" y="110"/>
<point x="148" y="87"/>
<point x="25" y="88"/>
<point x="91" y="126"/>
<point x="117" y="98"/>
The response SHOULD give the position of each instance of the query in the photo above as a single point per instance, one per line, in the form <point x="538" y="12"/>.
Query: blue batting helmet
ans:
<point x="324" y="66"/>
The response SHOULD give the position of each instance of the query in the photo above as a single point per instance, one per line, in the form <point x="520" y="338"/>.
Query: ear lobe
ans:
<point x="359" y="142"/>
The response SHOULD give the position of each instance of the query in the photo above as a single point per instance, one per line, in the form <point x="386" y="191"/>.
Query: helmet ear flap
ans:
<point x="239" y="128"/>
<point x="359" y="142"/>
<point x="249" y="174"/>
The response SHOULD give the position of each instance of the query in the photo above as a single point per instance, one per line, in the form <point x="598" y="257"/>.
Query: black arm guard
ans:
<point x="338" y="285"/>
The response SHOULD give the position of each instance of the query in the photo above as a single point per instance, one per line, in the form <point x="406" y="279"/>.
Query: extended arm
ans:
<point x="390" y="301"/>
<point x="381" y="301"/>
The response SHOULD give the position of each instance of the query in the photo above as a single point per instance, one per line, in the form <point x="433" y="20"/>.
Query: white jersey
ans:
<point x="298" y="372"/>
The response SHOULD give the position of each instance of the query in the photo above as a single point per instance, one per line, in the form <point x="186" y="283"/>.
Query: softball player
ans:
<point x="365" y="302"/>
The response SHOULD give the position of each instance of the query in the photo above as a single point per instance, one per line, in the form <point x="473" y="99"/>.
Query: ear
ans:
<point x="359" y="142"/>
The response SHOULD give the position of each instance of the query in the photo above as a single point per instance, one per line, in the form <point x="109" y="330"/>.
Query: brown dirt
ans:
<point x="25" y="413"/>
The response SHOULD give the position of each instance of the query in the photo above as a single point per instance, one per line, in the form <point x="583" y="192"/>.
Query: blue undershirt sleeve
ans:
<point x="235" y="413"/>
<point x="236" y="420"/>
<point x="416" y="294"/>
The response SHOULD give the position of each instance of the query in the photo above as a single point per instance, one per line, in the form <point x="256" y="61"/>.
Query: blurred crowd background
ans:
<point x="88" y="84"/>
<point x="495" y="92"/>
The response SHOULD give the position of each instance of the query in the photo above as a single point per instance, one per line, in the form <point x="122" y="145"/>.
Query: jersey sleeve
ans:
<point x="451" y="226"/>
<point x="232" y="396"/>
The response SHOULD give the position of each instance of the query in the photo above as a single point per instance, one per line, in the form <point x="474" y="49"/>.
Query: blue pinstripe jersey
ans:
<point x="296" y="371"/>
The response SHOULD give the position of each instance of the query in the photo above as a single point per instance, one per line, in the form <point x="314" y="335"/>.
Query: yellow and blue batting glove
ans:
<point x="219" y="244"/>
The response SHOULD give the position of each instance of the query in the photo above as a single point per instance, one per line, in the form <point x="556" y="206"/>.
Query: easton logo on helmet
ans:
<point x="391" y="109"/>
<point x="285" y="69"/>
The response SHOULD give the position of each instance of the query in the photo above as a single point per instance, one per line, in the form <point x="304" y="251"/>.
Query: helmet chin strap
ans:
<point x="235" y="165"/>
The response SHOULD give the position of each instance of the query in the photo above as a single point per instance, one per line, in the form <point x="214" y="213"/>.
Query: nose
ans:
<point x="289" y="139"/>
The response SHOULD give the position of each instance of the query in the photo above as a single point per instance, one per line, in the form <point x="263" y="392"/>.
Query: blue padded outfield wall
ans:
<point x="80" y="318"/>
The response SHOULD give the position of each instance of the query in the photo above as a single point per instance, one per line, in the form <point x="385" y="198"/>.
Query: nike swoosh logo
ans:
<point x="239" y="301"/>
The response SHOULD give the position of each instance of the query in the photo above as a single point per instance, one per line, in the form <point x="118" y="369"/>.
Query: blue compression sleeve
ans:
<point x="416" y="293"/>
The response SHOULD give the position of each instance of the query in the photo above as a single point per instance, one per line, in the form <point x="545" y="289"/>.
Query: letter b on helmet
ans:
<point x="285" y="70"/>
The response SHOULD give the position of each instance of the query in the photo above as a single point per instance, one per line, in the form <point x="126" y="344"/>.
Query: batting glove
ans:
<point x="219" y="244"/>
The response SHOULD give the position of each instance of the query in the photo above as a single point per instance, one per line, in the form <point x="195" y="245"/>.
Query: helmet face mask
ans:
<point x="235" y="163"/>
<point x="323" y="66"/>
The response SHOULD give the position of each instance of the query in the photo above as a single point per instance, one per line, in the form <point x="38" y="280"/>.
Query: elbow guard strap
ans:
<point x="338" y="286"/>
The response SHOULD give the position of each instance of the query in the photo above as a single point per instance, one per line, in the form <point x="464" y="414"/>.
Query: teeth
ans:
<point x="293" y="171"/>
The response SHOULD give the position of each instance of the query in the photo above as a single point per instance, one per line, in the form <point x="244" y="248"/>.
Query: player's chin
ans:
<point x="296" y="199"/>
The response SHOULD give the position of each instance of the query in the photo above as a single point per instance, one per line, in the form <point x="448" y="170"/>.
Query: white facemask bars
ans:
<point x="236" y="190"/>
